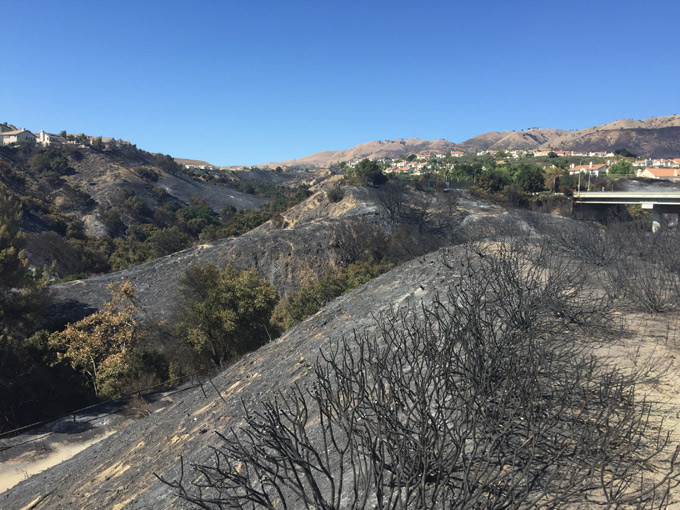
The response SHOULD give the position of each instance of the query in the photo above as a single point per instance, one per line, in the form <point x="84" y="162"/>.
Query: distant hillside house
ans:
<point x="11" y="137"/>
<point x="457" y="154"/>
<point x="665" y="163"/>
<point x="107" y="141"/>
<point x="589" y="169"/>
<point x="194" y="164"/>
<point x="660" y="173"/>
<point x="49" y="139"/>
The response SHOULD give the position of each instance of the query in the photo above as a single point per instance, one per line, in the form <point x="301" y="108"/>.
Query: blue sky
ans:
<point x="255" y="81"/>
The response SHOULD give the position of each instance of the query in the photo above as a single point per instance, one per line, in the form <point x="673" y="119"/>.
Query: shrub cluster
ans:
<point x="297" y="306"/>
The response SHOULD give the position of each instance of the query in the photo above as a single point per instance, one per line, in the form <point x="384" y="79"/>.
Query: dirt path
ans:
<point x="14" y="471"/>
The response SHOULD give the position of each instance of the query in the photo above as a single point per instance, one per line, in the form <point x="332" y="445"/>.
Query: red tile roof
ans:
<point x="662" y="172"/>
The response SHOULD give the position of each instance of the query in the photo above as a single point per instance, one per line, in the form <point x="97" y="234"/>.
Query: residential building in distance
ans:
<point x="49" y="139"/>
<point x="659" y="173"/>
<point x="16" y="136"/>
<point x="194" y="164"/>
<point x="589" y="169"/>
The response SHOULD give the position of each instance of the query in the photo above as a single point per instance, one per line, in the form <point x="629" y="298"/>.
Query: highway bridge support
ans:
<point x="598" y="206"/>
<point x="658" y="210"/>
<point x="599" y="212"/>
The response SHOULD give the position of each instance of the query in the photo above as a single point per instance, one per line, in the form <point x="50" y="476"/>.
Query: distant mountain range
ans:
<point x="656" y="137"/>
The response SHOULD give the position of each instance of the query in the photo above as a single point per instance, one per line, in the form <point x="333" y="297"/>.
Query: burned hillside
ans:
<point x="482" y="374"/>
<point x="304" y="243"/>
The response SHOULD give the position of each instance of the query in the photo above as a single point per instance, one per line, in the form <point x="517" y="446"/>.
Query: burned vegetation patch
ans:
<point x="490" y="396"/>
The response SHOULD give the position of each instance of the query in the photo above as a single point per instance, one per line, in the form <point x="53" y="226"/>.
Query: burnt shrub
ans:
<point x="489" y="397"/>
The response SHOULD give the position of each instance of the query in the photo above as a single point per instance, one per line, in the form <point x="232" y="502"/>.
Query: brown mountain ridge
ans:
<point x="656" y="137"/>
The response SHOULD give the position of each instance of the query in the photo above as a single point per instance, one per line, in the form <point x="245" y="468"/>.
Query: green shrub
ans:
<point x="299" y="305"/>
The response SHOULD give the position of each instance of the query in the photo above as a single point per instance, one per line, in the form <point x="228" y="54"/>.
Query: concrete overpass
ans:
<point x="597" y="205"/>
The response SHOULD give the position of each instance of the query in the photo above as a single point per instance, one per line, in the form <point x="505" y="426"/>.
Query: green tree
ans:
<point x="625" y="153"/>
<point x="368" y="172"/>
<point x="307" y="301"/>
<point x="99" y="345"/>
<point x="166" y="241"/>
<point x="21" y="296"/>
<point x="530" y="178"/>
<point x="13" y="264"/>
<point x="622" y="167"/>
<point x="492" y="180"/>
<point x="226" y="313"/>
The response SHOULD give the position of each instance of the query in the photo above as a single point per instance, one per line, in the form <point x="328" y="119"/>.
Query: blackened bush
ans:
<point x="147" y="173"/>
<point x="335" y="194"/>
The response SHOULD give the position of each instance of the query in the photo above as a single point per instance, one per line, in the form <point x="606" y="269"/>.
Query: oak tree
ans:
<point x="226" y="313"/>
<point x="99" y="345"/>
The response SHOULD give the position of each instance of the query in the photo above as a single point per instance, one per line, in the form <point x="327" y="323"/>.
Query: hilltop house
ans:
<point x="49" y="138"/>
<point x="10" y="137"/>
<point x="194" y="164"/>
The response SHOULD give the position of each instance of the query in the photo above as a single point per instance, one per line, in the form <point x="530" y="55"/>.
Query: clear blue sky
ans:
<point x="247" y="82"/>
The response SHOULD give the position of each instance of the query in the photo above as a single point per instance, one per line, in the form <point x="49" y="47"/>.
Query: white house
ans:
<point x="49" y="138"/>
<point x="10" y="137"/>
<point x="589" y="169"/>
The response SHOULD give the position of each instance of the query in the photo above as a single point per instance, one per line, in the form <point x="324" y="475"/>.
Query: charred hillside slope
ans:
<point x="470" y="375"/>
<point x="302" y="245"/>
<point x="86" y="181"/>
